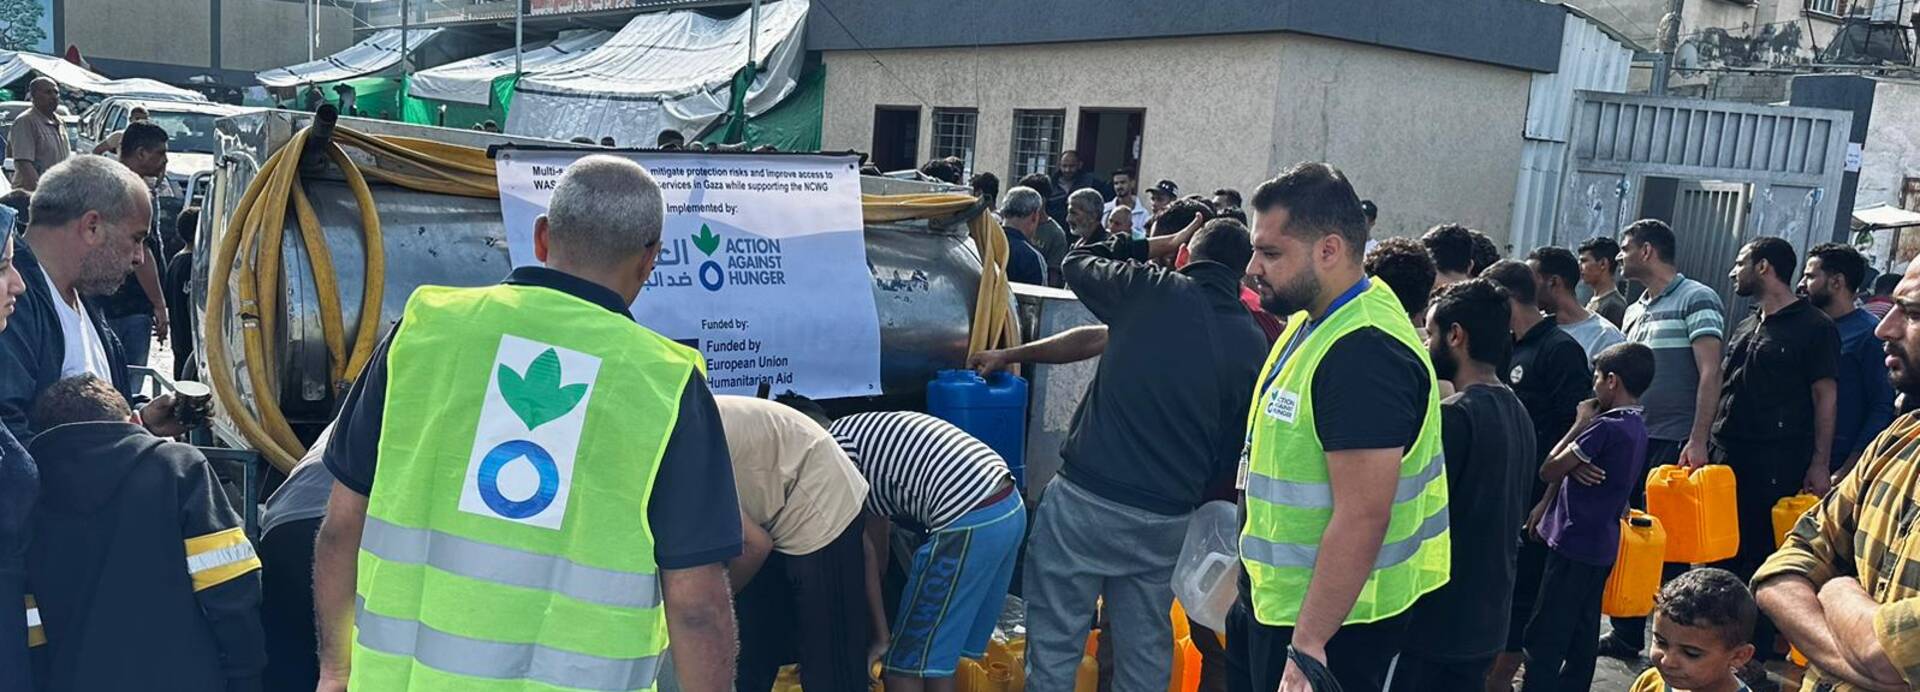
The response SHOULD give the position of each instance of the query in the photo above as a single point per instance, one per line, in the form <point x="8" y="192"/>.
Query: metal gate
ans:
<point x="1774" y="171"/>
<point x="1716" y="215"/>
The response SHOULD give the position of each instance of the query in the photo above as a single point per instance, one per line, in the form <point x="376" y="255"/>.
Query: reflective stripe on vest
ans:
<point x="500" y="660"/>
<point x="1289" y="497"/>
<point x="1296" y="555"/>
<point x="501" y="565"/>
<point x="507" y="543"/>
<point x="1320" y="495"/>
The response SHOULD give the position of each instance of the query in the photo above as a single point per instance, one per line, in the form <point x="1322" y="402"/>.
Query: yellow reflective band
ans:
<point x="36" y="635"/>
<point x="219" y="557"/>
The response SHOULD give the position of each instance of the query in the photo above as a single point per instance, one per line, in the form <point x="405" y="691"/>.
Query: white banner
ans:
<point x="763" y="264"/>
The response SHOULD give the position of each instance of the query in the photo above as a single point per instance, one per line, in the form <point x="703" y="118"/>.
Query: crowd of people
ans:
<point x="1432" y="443"/>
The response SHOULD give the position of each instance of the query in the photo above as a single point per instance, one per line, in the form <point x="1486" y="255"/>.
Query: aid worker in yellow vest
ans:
<point x="1345" y="491"/>
<point x="532" y="491"/>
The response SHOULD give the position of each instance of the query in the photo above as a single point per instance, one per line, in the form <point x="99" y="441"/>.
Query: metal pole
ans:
<point x="1661" y="62"/>
<point x="519" y="36"/>
<point x="753" y="33"/>
<point x="405" y="18"/>
<point x="313" y="27"/>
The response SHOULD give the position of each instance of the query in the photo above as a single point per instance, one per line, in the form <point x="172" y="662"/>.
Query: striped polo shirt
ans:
<point x="1669" y="323"/>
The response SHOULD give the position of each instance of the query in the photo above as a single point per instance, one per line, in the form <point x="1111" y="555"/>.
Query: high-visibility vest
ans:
<point x="1289" y="501"/>
<point x="506" y="543"/>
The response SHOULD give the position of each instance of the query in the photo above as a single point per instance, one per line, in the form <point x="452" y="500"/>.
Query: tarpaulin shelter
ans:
<point x="470" y="81"/>
<point x="372" y="56"/>
<point x="383" y="98"/>
<point x="15" y="66"/>
<point x="791" y="125"/>
<point x="666" y="70"/>
<point x="480" y="88"/>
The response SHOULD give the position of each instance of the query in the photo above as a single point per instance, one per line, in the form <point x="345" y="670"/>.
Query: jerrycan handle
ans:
<point x="1667" y="475"/>
<point x="1641" y="521"/>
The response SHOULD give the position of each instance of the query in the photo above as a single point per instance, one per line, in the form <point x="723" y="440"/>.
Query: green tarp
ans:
<point x="374" y="97"/>
<point x="794" y="124"/>
<point x="464" y="115"/>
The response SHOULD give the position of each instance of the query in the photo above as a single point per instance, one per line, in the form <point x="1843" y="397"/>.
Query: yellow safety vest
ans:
<point x="1289" y="501"/>
<point x="506" y="543"/>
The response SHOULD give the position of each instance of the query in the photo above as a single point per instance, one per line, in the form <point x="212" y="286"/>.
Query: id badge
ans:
<point x="1240" y="477"/>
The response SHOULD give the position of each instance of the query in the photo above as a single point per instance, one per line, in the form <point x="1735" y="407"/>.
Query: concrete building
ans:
<point x="177" y="40"/>
<point x="1421" y="104"/>
<point x="1743" y="50"/>
<point x="1886" y="168"/>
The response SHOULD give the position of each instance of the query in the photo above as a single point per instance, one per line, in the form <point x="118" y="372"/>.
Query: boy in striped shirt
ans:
<point x="954" y="491"/>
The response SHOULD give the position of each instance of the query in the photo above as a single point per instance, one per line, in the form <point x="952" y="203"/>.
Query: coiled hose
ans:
<point x="246" y="266"/>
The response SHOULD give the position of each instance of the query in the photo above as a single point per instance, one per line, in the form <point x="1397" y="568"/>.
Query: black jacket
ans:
<point x="33" y="346"/>
<point x="131" y="593"/>
<point x="19" y="484"/>
<point x="1166" y="413"/>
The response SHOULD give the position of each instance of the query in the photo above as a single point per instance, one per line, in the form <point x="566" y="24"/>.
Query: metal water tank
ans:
<point x="925" y="276"/>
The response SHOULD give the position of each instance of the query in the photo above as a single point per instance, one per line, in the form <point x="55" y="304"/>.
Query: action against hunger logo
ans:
<point x="529" y="433"/>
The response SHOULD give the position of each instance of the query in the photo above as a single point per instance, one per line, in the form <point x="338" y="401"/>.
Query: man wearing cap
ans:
<point x="1162" y="194"/>
<point x="1020" y="215"/>
<point x="1126" y="193"/>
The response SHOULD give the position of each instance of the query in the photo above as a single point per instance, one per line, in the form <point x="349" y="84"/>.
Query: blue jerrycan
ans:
<point x="993" y="410"/>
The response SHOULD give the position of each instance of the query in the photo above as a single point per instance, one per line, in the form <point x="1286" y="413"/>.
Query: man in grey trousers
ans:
<point x="1158" y="433"/>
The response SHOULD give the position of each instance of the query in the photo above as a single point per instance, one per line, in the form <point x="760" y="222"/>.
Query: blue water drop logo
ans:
<point x="506" y="453"/>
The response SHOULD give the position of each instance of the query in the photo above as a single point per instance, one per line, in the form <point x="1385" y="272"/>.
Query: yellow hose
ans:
<point x="246" y="267"/>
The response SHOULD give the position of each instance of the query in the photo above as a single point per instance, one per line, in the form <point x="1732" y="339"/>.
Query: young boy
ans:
<point x="1580" y="519"/>
<point x="1702" y="624"/>
<point x="142" y="575"/>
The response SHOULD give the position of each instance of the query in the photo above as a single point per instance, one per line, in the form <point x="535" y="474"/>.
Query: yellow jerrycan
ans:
<point x="1698" y="511"/>
<point x="1636" y="572"/>
<point x="1787" y="512"/>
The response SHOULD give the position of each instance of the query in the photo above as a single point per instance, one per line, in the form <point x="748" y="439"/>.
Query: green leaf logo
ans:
<point x="706" y="240"/>
<point x="537" y="398"/>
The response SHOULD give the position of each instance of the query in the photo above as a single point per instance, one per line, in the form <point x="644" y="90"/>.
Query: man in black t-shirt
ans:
<point x="1455" y="632"/>
<point x="1369" y="392"/>
<point x="1777" y="401"/>
<point x="1550" y="373"/>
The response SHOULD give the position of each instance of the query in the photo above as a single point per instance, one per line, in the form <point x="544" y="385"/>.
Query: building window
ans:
<point x="953" y="130"/>
<point x="896" y="137"/>
<point x="1824" y="6"/>
<point x="1037" y="139"/>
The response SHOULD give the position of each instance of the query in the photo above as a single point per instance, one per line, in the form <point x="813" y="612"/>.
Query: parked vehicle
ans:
<point x="190" y="142"/>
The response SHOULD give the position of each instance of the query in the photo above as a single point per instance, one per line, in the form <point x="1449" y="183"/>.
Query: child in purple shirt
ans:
<point x="1579" y="519"/>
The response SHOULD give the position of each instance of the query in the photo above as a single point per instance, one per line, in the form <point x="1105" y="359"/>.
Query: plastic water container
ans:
<point x="1787" y="512"/>
<point x="971" y="676"/>
<point x="1186" y="667"/>
<point x="1636" y="572"/>
<point x="994" y="410"/>
<point x="1698" y="510"/>
<point x="1206" y="579"/>
<point x="1087" y="678"/>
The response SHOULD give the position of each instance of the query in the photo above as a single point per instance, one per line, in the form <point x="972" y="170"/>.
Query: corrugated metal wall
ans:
<point x="1590" y="60"/>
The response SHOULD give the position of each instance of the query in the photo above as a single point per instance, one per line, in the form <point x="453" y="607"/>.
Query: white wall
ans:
<point x="264" y="34"/>
<point x="255" y="34"/>
<point x="1207" y="112"/>
<point x="1430" y="139"/>
<point x="1892" y="151"/>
